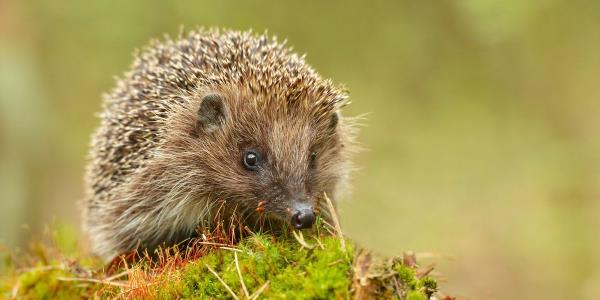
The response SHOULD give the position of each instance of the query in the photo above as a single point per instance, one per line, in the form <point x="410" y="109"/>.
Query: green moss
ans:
<point x="286" y="268"/>
<point x="44" y="283"/>
<point x="415" y="295"/>
<point x="429" y="286"/>
<point x="407" y="276"/>
<point x="417" y="288"/>
<point x="290" y="270"/>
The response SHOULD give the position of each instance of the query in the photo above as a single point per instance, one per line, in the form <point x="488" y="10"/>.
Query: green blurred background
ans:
<point x="483" y="133"/>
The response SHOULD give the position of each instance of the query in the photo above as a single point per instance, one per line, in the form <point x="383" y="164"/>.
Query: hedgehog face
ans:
<point x="274" y="162"/>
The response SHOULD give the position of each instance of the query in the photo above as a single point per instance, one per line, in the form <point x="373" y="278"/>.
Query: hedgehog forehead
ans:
<point x="289" y="137"/>
<point x="273" y="124"/>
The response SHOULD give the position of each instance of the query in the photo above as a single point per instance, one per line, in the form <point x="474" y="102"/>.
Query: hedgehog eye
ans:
<point x="251" y="160"/>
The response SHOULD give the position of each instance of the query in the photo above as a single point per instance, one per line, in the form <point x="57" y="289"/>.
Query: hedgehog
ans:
<point x="213" y="121"/>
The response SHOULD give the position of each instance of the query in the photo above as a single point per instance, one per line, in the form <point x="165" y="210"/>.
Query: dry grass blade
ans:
<point x="300" y="238"/>
<point x="237" y="266"/>
<point x="319" y="243"/>
<point x="214" y="244"/>
<point x="111" y="278"/>
<point x="335" y="262"/>
<point x="231" y="249"/>
<point x="330" y="228"/>
<point x="336" y="222"/>
<point x="92" y="280"/>
<point x="15" y="290"/>
<point x="223" y="282"/>
<point x="259" y="291"/>
<point x="434" y="255"/>
<point x="424" y="272"/>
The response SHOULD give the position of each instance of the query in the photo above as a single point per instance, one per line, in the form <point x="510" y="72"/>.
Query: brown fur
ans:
<point x="155" y="175"/>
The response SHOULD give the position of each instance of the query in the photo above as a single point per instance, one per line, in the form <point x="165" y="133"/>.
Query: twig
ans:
<point x="336" y="222"/>
<point x="237" y="266"/>
<point x="222" y="282"/>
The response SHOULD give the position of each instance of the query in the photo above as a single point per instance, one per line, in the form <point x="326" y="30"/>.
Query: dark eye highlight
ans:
<point x="251" y="160"/>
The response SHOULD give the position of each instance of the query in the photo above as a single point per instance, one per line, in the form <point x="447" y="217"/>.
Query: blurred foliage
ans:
<point x="482" y="135"/>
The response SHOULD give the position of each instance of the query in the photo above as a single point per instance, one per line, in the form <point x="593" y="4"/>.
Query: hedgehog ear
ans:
<point x="335" y="118"/>
<point x="211" y="114"/>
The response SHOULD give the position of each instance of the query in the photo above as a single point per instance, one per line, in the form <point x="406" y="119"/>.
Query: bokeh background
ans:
<point x="483" y="132"/>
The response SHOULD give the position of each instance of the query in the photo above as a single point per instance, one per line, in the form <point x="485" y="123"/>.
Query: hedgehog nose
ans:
<point x="303" y="218"/>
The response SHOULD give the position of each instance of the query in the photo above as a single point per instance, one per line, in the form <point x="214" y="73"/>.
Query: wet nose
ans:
<point x="303" y="218"/>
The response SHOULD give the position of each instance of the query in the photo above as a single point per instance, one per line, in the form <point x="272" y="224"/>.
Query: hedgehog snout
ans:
<point x="302" y="215"/>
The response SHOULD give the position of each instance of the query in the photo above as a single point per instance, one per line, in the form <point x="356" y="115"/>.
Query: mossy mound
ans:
<point x="261" y="266"/>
